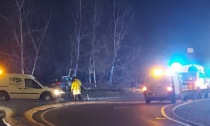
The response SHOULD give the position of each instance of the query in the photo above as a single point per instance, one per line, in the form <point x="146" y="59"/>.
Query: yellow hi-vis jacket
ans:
<point x="76" y="87"/>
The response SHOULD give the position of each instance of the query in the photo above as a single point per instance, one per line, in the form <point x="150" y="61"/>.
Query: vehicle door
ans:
<point x="32" y="89"/>
<point x="16" y="87"/>
<point x="177" y="84"/>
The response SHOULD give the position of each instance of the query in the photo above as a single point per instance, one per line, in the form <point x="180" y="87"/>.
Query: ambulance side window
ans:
<point x="31" y="84"/>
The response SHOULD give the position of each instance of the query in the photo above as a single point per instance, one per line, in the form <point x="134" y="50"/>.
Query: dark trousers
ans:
<point x="78" y="96"/>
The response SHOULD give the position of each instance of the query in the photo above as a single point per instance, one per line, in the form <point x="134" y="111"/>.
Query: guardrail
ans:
<point x="194" y="94"/>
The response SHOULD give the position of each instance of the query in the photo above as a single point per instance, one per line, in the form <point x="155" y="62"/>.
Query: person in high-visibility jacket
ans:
<point x="76" y="88"/>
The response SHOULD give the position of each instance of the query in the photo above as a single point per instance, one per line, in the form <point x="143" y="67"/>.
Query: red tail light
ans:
<point x="58" y="83"/>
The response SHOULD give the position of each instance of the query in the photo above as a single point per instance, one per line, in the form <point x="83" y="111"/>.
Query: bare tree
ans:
<point x="22" y="15"/>
<point x="22" y="31"/>
<point x="79" y="33"/>
<point x="122" y="18"/>
<point x="78" y="25"/>
<point x="95" y="45"/>
<point x="38" y="42"/>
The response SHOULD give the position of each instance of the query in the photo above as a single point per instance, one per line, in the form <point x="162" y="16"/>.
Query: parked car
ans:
<point x="65" y="83"/>
<point x="55" y="83"/>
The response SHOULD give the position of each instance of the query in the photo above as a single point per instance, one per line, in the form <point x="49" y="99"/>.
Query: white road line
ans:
<point x="164" y="114"/>
<point x="120" y="107"/>
<point x="158" y="118"/>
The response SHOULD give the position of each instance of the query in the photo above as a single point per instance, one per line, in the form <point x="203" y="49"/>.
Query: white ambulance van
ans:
<point x="24" y="86"/>
<point x="160" y="85"/>
<point x="194" y="80"/>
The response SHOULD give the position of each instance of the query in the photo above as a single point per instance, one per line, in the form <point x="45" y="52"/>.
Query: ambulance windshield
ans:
<point x="162" y="79"/>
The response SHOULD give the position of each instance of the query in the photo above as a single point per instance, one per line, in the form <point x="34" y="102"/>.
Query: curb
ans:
<point x="181" y="118"/>
<point x="8" y="117"/>
<point x="29" y="114"/>
<point x="10" y="121"/>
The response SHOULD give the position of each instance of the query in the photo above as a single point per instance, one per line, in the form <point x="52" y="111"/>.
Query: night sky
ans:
<point x="172" y="26"/>
<point x="164" y="28"/>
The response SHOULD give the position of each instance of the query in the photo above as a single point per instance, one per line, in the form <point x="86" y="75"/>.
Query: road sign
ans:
<point x="189" y="50"/>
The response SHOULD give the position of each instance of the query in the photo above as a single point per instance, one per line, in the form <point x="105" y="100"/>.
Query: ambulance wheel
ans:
<point x="185" y="99"/>
<point x="147" y="100"/>
<point x="47" y="97"/>
<point x="173" y="99"/>
<point x="4" y="96"/>
<point x="206" y="95"/>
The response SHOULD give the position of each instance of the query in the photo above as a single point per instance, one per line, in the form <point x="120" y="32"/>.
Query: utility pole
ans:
<point x="192" y="70"/>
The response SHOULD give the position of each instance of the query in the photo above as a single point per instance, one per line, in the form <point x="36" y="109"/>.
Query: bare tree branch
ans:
<point x="120" y="30"/>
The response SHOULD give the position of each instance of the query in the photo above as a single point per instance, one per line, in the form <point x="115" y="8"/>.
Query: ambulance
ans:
<point x="160" y="84"/>
<point x="176" y="82"/>
<point x="193" y="76"/>
<point x="24" y="86"/>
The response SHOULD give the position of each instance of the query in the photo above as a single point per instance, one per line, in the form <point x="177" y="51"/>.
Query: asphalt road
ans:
<point x="18" y="107"/>
<point x="106" y="114"/>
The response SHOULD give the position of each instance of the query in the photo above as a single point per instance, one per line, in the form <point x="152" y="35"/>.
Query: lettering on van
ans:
<point x="15" y="79"/>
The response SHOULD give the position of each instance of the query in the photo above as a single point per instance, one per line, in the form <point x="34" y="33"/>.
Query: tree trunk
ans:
<point x="78" y="37"/>
<point x="19" y="7"/>
<point x="94" y="73"/>
<point x="112" y="70"/>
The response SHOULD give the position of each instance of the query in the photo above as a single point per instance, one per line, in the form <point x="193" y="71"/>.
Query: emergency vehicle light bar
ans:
<point x="160" y="72"/>
<point x="157" y="72"/>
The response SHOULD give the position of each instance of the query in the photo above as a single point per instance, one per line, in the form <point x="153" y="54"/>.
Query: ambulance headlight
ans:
<point x="144" y="89"/>
<point x="169" y="88"/>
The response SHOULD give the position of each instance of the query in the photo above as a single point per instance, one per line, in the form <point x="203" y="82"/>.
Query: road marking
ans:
<point x="120" y="107"/>
<point x="44" y="120"/>
<point x="28" y="114"/>
<point x="160" y="118"/>
<point x="164" y="114"/>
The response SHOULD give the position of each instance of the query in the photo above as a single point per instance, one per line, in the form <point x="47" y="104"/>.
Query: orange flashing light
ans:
<point x="158" y="72"/>
<point x="1" y="71"/>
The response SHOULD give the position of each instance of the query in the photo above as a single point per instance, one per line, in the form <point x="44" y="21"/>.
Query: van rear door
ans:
<point x="157" y="86"/>
<point x="15" y="86"/>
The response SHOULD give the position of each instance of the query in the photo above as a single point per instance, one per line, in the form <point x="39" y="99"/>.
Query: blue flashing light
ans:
<point x="178" y="58"/>
<point x="176" y="66"/>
